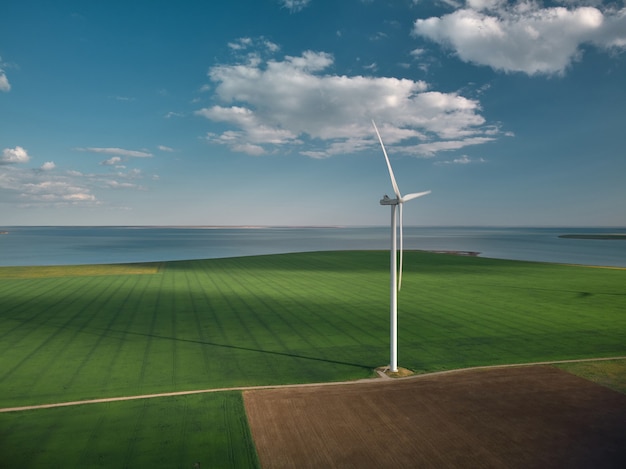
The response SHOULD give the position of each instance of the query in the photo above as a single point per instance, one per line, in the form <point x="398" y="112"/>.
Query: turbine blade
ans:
<point x="393" y="178"/>
<point x="401" y="249"/>
<point x="414" y="196"/>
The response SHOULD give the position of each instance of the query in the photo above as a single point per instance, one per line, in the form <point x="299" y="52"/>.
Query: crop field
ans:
<point x="166" y="432"/>
<point x="293" y="318"/>
<point x="609" y="373"/>
<point x="85" y="332"/>
<point x="515" y="417"/>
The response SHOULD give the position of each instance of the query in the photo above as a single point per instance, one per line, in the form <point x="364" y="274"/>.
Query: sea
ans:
<point x="71" y="245"/>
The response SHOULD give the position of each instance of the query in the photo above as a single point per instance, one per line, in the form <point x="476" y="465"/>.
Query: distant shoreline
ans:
<point x="456" y="253"/>
<point x="95" y="245"/>
<point x="594" y="236"/>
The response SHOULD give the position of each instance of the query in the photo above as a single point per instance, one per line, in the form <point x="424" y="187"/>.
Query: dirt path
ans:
<point x="251" y="388"/>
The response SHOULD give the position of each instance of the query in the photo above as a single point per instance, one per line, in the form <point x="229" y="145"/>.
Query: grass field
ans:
<point x="166" y="432"/>
<point x="71" y="333"/>
<point x="292" y="318"/>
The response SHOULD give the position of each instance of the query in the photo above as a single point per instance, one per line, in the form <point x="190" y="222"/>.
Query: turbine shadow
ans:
<point x="247" y="349"/>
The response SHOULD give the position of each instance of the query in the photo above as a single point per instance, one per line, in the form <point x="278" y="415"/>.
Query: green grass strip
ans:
<point x="79" y="270"/>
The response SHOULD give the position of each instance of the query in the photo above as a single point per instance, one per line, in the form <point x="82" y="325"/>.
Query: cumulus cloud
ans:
<point x="55" y="191"/>
<point x="44" y="187"/>
<point x="296" y="103"/>
<point x="117" y="152"/>
<point x="524" y="36"/>
<point x="14" y="156"/>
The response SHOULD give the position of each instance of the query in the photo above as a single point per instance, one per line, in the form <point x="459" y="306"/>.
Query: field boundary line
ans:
<point x="378" y="379"/>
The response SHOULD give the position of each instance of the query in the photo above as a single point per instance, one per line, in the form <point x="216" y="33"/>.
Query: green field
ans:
<point x="84" y="332"/>
<point x="165" y="432"/>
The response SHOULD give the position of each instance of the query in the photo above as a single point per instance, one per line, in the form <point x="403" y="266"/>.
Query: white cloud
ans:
<point x="55" y="191"/>
<point x="295" y="5"/>
<point x="371" y="67"/>
<point x="113" y="161"/>
<point x="462" y="160"/>
<point x="44" y="187"/>
<point x="246" y="43"/>
<point x="80" y="196"/>
<point x="4" y="81"/>
<point x="613" y="31"/>
<point x="241" y="43"/>
<point x="378" y="36"/>
<point x="295" y="103"/>
<point x="14" y="156"/>
<point x="430" y="149"/>
<point x="114" y="184"/>
<point x="524" y="36"/>
<point x="164" y="148"/>
<point x="118" y="152"/>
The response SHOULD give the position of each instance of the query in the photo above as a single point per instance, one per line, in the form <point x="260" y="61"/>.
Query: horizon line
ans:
<point x="245" y="226"/>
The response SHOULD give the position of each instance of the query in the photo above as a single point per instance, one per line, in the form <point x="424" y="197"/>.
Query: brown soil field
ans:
<point x="534" y="416"/>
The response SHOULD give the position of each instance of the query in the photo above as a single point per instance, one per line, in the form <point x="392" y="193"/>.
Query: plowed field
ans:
<point x="536" y="416"/>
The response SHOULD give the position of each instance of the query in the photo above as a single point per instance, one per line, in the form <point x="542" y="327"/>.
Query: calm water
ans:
<point x="92" y="245"/>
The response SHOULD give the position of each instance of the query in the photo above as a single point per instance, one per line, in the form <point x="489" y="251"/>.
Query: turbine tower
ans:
<point x="395" y="271"/>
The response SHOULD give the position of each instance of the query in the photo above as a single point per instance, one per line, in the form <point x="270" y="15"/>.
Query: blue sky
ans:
<point x="259" y="112"/>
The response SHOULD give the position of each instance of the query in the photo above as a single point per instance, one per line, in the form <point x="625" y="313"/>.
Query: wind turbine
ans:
<point x="396" y="272"/>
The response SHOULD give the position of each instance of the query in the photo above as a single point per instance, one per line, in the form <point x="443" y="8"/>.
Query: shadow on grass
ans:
<point x="105" y="332"/>
<point x="577" y="293"/>
<point x="247" y="349"/>
<point x="416" y="261"/>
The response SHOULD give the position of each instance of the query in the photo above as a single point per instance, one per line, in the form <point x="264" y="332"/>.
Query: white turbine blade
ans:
<point x="393" y="178"/>
<point x="401" y="249"/>
<point x="414" y="196"/>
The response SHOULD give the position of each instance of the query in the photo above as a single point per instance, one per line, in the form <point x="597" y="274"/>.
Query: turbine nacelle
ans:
<point x="387" y="201"/>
